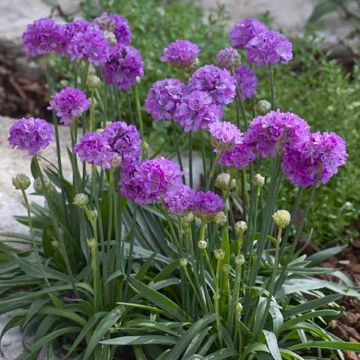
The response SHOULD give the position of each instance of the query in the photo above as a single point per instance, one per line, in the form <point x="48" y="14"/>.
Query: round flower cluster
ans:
<point x="219" y="83"/>
<point x="240" y="156"/>
<point x="196" y="111"/>
<point x="228" y="58"/>
<point x="123" y="139"/>
<point x="224" y="135"/>
<point x="246" y="82"/>
<point x="69" y="103"/>
<point x="181" y="54"/>
<point x="244" y="31"/>
<point x="206" y="203"/>
<point x="315" y="159"/>
<point x="179" y="200"/>
<point x="123" y="66"/>
<point x="163" y="98"/>
<point x="30" y="134"/>
<point x="94" y="149"/>
<point x="116" y="24"/>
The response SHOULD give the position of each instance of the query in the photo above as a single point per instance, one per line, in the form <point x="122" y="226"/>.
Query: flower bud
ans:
<point x="93" y="81"/>
<point x="220" y="218"/>
<point x="138" y="79"/>
<point x="258" y="180"/>
<point x="38" y="185"/>
<point x="55" y="244"/>
<point x="263" y="107"/>
<point x="202" y="244"/>
<point x="187" y="219"/>
<point x="222" y="182"/>
<point x="216" y="296"/>
<point x="226" y="269"/>
<point x="21" y="181"/>
<point x="91" y="243"/>
<point x="239" y="260"/>
<point x="145" y="147"/>
<point x="92" y="215"/>
<point x="219" y="254"/>
<point x="241" y="227"/>
<point x="238" y="309"/>
<point x="282" y="218"/>
<point x="183" y="262"/>
<point x="81" y="200"/>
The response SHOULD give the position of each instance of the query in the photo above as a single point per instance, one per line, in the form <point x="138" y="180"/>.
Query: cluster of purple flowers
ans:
<point x="262" y="46"/>
<point x="224" y="135"/>
<point x="69" y="103"/>
<point x="104" y="42"/>
<point x="181" y="54"/>
<point x="101" y="148"/>
<point x="31" y="135"/>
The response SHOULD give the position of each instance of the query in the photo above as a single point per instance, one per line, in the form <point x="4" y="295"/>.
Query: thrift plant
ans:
<point x="129" y="254"/>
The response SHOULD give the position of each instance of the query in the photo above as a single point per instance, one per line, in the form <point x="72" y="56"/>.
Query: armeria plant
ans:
<point x="129" y="255"/>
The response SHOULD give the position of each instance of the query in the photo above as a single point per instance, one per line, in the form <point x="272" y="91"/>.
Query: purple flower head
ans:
<point x="219" y="83"/>
<point x="206" y="203"/>
<point x="117" y="25"/>
<point x="124" y="140"/>
<point x="44" y="36"/>
<point x="69" y="103"/>
<point x="123" y="66"/>
<point x="151" y="180"/>
<point x="269" y="47"/>
<point x="317" y="158"/>
<point x="224" y="135"/>
<point x="181" y="54"/>
<point x="163" y="98"/>
<point x="240" y="156"/>
<point x="244" y="31"/>
<point x="197" y="111"/>
<point x="94" y="149"/>
<point x="269" y="133"/>
<point x="88" y="43"/>
<point x="246" y="81"/>
<point x="228" y="58"/>
<point x="31" y="134"/>
<point x="179" y="200"/>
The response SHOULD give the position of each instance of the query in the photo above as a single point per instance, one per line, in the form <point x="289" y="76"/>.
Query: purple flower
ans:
<point x="69" y="103"/>
<point x="150" y="180"/>
<point x="163" y="98"/>
<point x="44" y="36"/>
<point x="244" y="31"/>
<point x="224" y="135"/>
<point x="219" y="83"/>
<point x="269" y="133"/>
<point x="179" y="200"/>
<point x="181" y="54"/>
<point x="317" y="158"/>
<point x="89" y="43"/>
<point x="123" y="66"/>
<point x="31" y="134"/>
<point x="240" y="156"/>
<point x="196" y="111"/>
<point x="117" y="25"/>
<point x="246" y="81"/>
<point x="94" y="149"/>
<point x="206" y="203"/>
<point x="123" y="139"/>
<point x="269" y="47"/>
<point x="228" y="58"/>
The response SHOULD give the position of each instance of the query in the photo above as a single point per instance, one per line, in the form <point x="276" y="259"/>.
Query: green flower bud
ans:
<point x="92" y="215"/>
<point x="220" y="218"/>
<point x="187" y="219"/>
<point x="263" y="107"/>
<point x="239" y="260"/>
<point x="258" y="180"/>
<point x="202" y="244"/>
<point x="222" y="181"/>
<point x="81" y="200"/>
<point x="219" y="254"/>
<point x="93" y="81"/>
<point x="238" y="309"/>
<point x="226" y="269"/>
<point x="38" y="185"/>
<point x="21" y="182"/>
<point x="216" y="296"/>
<point x="282" y="218"/>
<point x="183" y="262"/>
<point x="91" y="243"/>
<point x="241" y="227"/>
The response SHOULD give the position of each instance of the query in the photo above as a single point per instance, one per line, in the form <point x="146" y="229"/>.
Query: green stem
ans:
<point x="212" y="170"/>
<point x="190" y="160"/>
<point x="177" y="147"/>
<point x="138" y="111"/>
<point x="272" y="87"/>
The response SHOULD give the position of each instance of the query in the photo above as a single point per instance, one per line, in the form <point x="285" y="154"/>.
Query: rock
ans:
<point x="11" y="344"/>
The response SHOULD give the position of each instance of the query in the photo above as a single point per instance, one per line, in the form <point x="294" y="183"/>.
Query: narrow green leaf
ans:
<point x="272" y="344"/>
<point x="330" y="345"/>
<point x="142" y="340"/>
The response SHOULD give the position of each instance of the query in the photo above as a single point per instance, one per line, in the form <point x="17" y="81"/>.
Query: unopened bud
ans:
<point x="226" y="269"/>
<point x="282" y="218"/>
<point x="81" y="200"/>
<point x="40" y="183"/>
<point x="263" y="107"/>
<point x="187" y="219"/>
<point x="239" y="260"/>
<point x="219" y="254"/>
<point x="138" y="79"/>
<point x="238" y="309"/>
<point x="21" y="181"/>
<point x="92" y="215"/>
<point x="222" y="181"/>
<point x="216" y="296"/>
<point x="241" y="227"/>
<point x="55" y="244"/>
<point x="183" y="262"/>
<point x="258" y="180"/>
<point x="91" y="243"/>
<point x="202" y="244"/>
<point x="220" y="218"/>
<point x="93" y="81"/>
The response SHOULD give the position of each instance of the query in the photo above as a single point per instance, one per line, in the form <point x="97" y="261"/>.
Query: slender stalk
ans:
<point x="244" y="196"/>
<point x="138" y="111"/>
<point x="272" y="87"/>
<point x="216" y="300"/>
<point x="190" y="160"/>
<point x="212" y="170"/>
<point x="177" y="147"/>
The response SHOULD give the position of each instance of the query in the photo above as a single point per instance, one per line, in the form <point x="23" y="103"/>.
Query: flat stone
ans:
<point x="11" y="344"/>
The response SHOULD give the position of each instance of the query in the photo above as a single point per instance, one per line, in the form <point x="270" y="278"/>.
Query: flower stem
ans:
<point x="272" y="87"/>
<point x="212" y="170"/>
<point x="177" y="148"/>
